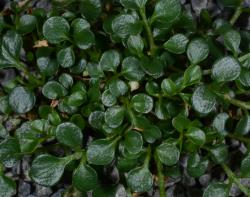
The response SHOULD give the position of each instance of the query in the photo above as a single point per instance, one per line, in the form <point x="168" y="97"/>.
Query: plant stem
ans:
<point x="236" y="14"/>
<point x="233" y="177"/>
<point x="26" y="72"/>
<point x="148" y="157"/>
<point x="152" y="45"/>
<point x="160" y="176"/>
<point x="239" y="138"/>
<point x="238" y="103"/>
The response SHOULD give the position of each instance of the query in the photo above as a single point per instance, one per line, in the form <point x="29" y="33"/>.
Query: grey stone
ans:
<point x="198" y="5"/>
<point x="16" y="170"/>
<point x="42" y="191"/>
<point x="188" y="180"/>
<point x="234" y="191"/>
<point x="170" y="191"/>
<point x="25" y="167"/>
<point x="24" y="188"/>
<point x="205" y="179"/>
<point x="58" y="193"/>
<point x="7" y="75"/>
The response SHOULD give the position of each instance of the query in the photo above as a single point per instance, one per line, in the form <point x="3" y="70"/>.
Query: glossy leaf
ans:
<point x="168" y="154"/>
<point x="142" y="103"/>
<point x="131" y="69"/>
<point x="133" y="142"/>
<point x="53" y="90"/>
<point x="192" y="75"/>
<point x="216" y="189"/>
<point x="219" y="153"/>
<point x="245" y="167"/>
<point x="197" y="50"/>
<point x="66" y="57"/>
<point x="176" y="44"/>
<point x="133" y="4"/>
<point x="196" y="135"/>
<point x="7" y="186"/>
<point x="232" y="41"/>
<point x="110" y="60"/>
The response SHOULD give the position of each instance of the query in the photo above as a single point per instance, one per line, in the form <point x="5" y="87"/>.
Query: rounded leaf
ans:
<point x="108" y="99"/>
<point x="131" y="69"/>
<point x="245" y="167"/>
<point x="66" y="57"/>
<point x="110" y="60"/>
<point x="53" y="90"/>
<point x="203" y="100"/>
<point x="197" y="50"/>
<point x="142" y="103"/>
<point x="176" y="44"/>
<point x="114" y="116"/>
<point x="140" y="179"/>
<point x="216" y="189"/>
<point x="69" y="134"/>
<point x="85" y="178"/>
<point x="226" y="69"/>
<point x="21" y="100"/>
<point x="133" y="142"/>
<point x="56" y="29"/>
<point x="168" y="154"/>
<point x="196" y="135"/>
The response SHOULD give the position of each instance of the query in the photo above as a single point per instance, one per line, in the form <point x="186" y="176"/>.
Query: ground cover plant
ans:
<point x="112" y="96"/>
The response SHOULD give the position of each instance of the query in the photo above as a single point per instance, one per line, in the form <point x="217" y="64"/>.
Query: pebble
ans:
<point x="42" y="191"/>
<point x="205" y="180"/>
<point x="59" y="193"/>
<point x="198" y="6"/>
<point x="24" y="189"/>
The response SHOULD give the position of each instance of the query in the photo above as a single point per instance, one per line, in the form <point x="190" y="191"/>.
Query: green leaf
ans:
<point x="94" y="70"/>
<point x="195" y="166"/>
<point x="151" y="133"/>
<point x="152" y="88"/>
<point x="135" y="45"/>
<point x="108" y="99"/>
<point x="91" y="9"/>
<point x="243" y="126"/>
<point x="27" y="24"/>
<point x="56" y="29"/>
<point x="216" y="189"/>
<point x="180" y="123"/>
<point x="140" y="179"/>
<point x="10" y="50"/>
<point x="142" y="103"/>
<point x="7" y="186"/>
<point x="167" y="12"/>
<point x="219" y="153"/>
<point x="196" y="135"/>
<point x="96" y="119"/>
<point x="101" y="152"/>
<point x="110" y="190"/>
<point x="53" y="90"/>
<point x="78" y="120"/>
<point x="203" y="100"/>
<point x="46" y="64"/>
<point x="47" y="170"/>
<point x="219" y="123"/>
<point x="133" y="4"/>
<point x="76" y="98"/>
<point x="118" y="87"/>
<point x="69" y="134"/>
<point x="110" y="60"/>
<point x="168" y="154"/>
<point x="169" y="87"/>
<point x="84" y="39"/>
<point x="114" y="116"/>
<point x="125" y="25"/>
<point x="21" y="100"/>
<point x="85" y="178"/>
<point x="155" y="71"/>
<point x="232" y="41"/>
<point x="245" y="166"/>
<point x="66" y="80"/>
<point x="192" y="75"/>
<point x="133" y="142"/>
<point x="176" y="44"/>
<point x="10" y="152"/>
<point x="131" y="69"/>
<point x="4" y="105"/>
<point x="226" y="69"/>
<point x="244" y="77"/>
<point x="197" y="50"/>
<point x="66" y="57"/>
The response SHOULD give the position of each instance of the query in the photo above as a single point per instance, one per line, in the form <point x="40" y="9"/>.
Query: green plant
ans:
<point x="133" y="85"/>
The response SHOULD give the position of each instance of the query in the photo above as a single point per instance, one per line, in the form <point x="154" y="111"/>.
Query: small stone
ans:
<point x="198" y="5"/>
<point x="42" y="191"/>
<point x="25" y="168"/>
<point x="205" y="179"/>
<point x="24" y="189"/>
<point x="58" y="193"/>
<point x="170" y="191"/>
<point x="16" y="170"/>
<point x="188" y="180"/>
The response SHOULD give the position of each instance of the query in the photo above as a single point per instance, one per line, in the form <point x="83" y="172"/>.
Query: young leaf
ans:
<point x="114" y="116"/>
<point x="243" y="126"/>
<point x="110" y="60"/>
<point x="232" y="41"/>
<point x="197" y="50"/>
<point x="91" y="9"/>
<point x="85" y="178"/>
<point x="133" y="142"/>
<point x="196" y="135"/>
<point x="108" y="99"/>
<point x="245" y="166"/>
<point x="21" y="100"/>
<point x="27" y="23"/>
<point x="96" y="119"/>
<point x="140" y="179"/>
<point x="7" y="186"/>
<point x="176" y="44"/>
<point x="203" y="100"/>
<point x="118" y="87"/>
<point x="10" y="152"/>
<point x="195" y="166"/>
<point x="69" y="134"/>
<point x="216" y="189"/>
<point x="169" y="87"/>
<point x="133" y="4"/>
<point x="168" y="154"/>
<point x="219" y="123"/>
<point x="101" y="152"/>
<point x="125" y="25"/>
<point x="142" y="103"/>
<point x="66" y="57"/>
<point x="226" y="69"/>
<point x="47" y="170"/>
<point x="131" y="69"/>
<point x="56" y="29"/>
<point x="219" y="153"/>
<point x="135" y="45"/>
<point x="192" y="75"/>
<point x="53" y="90"/>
